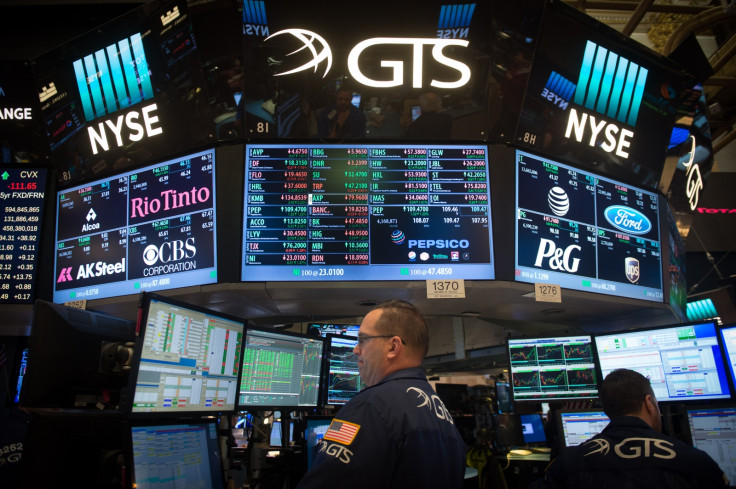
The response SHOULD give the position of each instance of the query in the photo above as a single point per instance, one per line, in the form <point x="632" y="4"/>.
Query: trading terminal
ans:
<point x="186" y="259"/>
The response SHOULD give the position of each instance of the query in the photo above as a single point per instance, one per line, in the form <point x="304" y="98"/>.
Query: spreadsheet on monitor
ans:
<point x="714" y="432"/>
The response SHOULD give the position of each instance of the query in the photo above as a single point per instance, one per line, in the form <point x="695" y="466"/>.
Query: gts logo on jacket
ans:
<point x="633" y="448"/>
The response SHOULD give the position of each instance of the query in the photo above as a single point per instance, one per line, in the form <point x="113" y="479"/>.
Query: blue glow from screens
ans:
<point x="549" y="368"/>
<point x="580" y="231"/>
<point x="366" y="212"/>
<point x="532" y="428"/>
<point x="149" y="229"/>
<point x="683" y="362"/>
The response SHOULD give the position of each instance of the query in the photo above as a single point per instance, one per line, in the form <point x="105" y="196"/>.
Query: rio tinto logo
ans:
<point x="320" y="52"/>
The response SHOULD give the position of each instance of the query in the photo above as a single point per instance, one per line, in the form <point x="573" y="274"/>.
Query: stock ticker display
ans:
<point x="552" y="368"/>
<point x="366" y="212"/>
<point x="149" y="229"/>
<point x="22" y="192"/>
<point x="584" y="232"/>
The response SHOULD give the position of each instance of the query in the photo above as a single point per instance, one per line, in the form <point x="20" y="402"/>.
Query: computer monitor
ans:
<point x="683" y="362"/>
<point x="508" y="431"/>
<point x="181" y="454"/>
<point x="315" y="430"/>
<point x="276" y="438"/>
<point x="727" y="335"/>
<point x="186" y="359"/>
<point x="334" y="328"/>
<point x="280" y="369"/>
<point x="552" y="368"/>
<point x="453" y="396"/>
<point x="343" y="378"/>
<point x="713" y="430"/>
<point x="73" y="359"/>
<point x="575" y="427"/>
<point x="503" y="398"/>
<point x="533" y="429"/>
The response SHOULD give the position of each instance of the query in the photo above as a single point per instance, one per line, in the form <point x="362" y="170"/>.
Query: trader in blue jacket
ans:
<point x="631" y="453"/>
<point x="396" y="433"/>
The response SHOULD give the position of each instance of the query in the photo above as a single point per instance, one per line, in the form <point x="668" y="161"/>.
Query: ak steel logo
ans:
<point x="612" y="86"/>
<point x="254" y="18"/>
<point x="113" y="78"/>
<point x="454" y="21"/>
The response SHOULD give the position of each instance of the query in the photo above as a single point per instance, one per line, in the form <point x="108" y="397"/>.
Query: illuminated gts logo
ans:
<point x="454" y="22"/>
<point x="113" y="78"/>
<point x="610" y="85"/>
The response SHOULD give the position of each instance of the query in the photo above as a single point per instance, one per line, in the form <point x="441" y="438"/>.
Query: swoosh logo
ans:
<point x="316" y="45"/>
<point x="627" y="219"/>
<point x="420" y="395"/>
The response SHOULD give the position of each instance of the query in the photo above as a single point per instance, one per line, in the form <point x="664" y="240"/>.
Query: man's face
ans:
<point x="343" y="100"/>
<point x="371" y="351"/>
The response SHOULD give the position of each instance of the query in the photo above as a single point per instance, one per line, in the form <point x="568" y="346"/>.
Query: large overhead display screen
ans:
<point x="22" y="192"/>
<point x="366" y="212"/>
<point x="150" y="229"/>
<point x="584" y="232"/>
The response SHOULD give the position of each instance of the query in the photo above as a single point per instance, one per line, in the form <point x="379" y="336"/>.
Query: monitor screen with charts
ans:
<point x="714" y="432"/>
<point x="182" y="455"/>
<point x="575" y="427"/>
<point x="186" y="359"/>
<point x="683" y="362"/>
<point x="343" y="378"/>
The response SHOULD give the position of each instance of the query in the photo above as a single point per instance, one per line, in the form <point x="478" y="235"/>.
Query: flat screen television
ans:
<point x="343" y="377"/>
<point x="340" y="329"/>
<point x="184" y="454"/>
<point x="366" y="212"/>
<point x="713" y="430"/>
<point x="24" y="191"/>
<point x="683" y="362"/>
<point x="551" y="368"/>
<point x="186" y="359"/>
<point x="280" y="369"/>
<point x="585" y="232"/>
<point x="73" y="359"/>
<point x="150" y="229"/>
<point x="532" y="428"/>
<point x="575" y="427"/>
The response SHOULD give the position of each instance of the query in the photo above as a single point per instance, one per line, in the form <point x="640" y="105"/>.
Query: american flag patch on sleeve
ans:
<point x="342" y="431"/>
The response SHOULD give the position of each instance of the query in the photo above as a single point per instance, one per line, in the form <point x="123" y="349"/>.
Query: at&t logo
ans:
<point x="559" y="259"/>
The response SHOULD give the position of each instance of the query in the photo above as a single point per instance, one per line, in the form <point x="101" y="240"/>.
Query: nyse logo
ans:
<point x="613" y="87"/>
<point x="455" y="21"/>
<point x="631" y="266"/>
<point x="254" y="18"/>
<point x="169" y="252"/>
<point x="320" y="51"/>
<point x="559" y="259"/>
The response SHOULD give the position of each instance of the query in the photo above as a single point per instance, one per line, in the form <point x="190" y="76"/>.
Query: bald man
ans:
<point x="396" y="433"/>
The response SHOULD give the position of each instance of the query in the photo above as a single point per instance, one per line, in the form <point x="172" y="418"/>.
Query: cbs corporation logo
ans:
<point x="169" y="251"/>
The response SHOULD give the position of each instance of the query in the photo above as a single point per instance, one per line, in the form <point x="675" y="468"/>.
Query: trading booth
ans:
<point x="202" y="199"/>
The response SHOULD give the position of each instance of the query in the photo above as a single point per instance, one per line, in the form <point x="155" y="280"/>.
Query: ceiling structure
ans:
<point x="660" y="25"/>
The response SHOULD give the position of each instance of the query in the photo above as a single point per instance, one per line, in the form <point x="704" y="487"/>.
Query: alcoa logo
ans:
<point x="320" y="51"/>
<point x="627" y="219"/>
<point x="558" y="201"/>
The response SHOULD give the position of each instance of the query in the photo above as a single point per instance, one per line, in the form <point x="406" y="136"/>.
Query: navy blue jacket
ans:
<point x="395" y="434"/>
<point x="629" y="454"/>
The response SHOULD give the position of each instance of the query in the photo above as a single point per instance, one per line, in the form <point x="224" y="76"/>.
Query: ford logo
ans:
<point x="627" y="219"/>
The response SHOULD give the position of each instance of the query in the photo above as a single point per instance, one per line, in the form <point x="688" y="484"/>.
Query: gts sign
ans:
<point x="321" y="52"/>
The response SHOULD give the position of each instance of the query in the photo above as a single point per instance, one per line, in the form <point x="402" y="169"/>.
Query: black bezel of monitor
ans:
<point x="562" y="255"/>
<point x="329" y="337"/>
<point x="429" y="255"/>
<point x="590" y="366"/>
<point x="278" y="404"/>
<point x="718" y="352"/>
<point x="130" y="253"/>
<point x="145" y="300"/>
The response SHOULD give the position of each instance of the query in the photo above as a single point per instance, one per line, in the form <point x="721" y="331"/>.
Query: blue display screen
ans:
<point x="366" y="212"/>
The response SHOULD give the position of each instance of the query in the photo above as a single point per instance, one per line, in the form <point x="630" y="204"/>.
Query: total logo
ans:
<point x="91" y="270"/>
<point x="320" y="52"/>
<point x="559" y="259"/>
<point x="631" y="267"/>
<point x="169" y="252"/>
<point x="91" y="226"/>
<point x="627" y="219"/>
